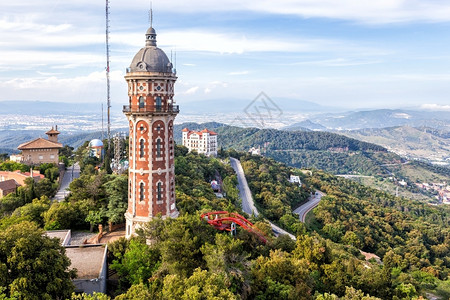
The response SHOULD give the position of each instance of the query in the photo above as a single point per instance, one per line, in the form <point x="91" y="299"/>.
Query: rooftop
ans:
<point x="53" y="131"/>
<point x="8" y="184"/>
<point x="63" y="235"/>
<point x="151" y="58"/>
<point x="87" y="259"/>
<point x="200" y="133"/>
<point x="39" y="143"/>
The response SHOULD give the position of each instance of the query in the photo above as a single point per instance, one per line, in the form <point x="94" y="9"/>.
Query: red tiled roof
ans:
<point x="52" y="131"/>
<point x="35" y="174"/>
<point x="8" y="184"/>
<point x="200" y="133"/>
<point x="39" y="143"/>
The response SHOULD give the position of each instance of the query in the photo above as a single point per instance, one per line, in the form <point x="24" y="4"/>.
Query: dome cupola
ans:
<point x="150" y="58"/>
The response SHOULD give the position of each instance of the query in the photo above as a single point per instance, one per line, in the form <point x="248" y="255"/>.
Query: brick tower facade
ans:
<point x="151" y="113"/>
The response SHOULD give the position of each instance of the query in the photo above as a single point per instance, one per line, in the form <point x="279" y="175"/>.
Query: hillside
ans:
<point x="422" y="143"/>
<point x="382" y="118"/>
<point x="272" y="139"/>
<point x="335" y="154"/>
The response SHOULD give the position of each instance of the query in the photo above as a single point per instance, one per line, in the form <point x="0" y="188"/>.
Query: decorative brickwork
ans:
<point x="150" y="112"/>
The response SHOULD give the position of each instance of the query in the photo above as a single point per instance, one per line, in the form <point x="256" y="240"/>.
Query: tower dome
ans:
<point x="96" y="143"/>
<point x="150" y="58"/>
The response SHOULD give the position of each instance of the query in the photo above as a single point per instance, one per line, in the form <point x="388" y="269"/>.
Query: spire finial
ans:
<point x="151" y="33"/>
<point x="150" y="15"/>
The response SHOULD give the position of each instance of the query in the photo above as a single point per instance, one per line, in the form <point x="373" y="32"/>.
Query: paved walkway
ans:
<point x="70" y="174"/>
<point x="112" y="236"/>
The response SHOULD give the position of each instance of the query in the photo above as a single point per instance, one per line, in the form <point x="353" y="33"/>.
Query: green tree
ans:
<point x="138" y="292"/>
<point x="179" y="242"/>
<point x="94" y="217"/>
<point x="94" y="296"/>
<point x="67" y="215"/>
<point x="45" y="187"/>
<point x="66" y="150"/>
<point x="138" y="263"/>
<point x="200" y="285"/>
<point x="228" y="258"/>
<point x="280" y="276"/>
<point x="117" y="194"/>
<point x="13" y="166"/>
<point x="32" y="265"/>
<point x="34" y="211"/>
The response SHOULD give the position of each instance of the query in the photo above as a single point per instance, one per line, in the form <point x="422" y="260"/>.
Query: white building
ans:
<point x="204" y="142"/>
<point x="255" y="151"/>
<point x="295" y="179"/>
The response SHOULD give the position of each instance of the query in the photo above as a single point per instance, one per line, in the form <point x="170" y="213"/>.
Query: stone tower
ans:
<point x="53" y="134"/>
<point x="151" y="113"/>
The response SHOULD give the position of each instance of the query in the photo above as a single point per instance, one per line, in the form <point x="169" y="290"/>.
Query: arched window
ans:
<point x="158" y="103"/>
<point x="158" y="148"/>
<point x="141" y="102"/>
<point x="141" y="191"/>
<point x="159" y="191"/>
<point x="141" y="148"/>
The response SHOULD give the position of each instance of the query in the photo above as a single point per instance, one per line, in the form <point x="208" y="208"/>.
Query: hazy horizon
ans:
<point x="356" y="56"/>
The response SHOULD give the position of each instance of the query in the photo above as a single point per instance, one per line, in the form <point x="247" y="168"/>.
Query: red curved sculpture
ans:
<point x="223" y="220"/>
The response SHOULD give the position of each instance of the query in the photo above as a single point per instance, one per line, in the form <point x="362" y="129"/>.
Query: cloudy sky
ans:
<point x="355" y="54"/>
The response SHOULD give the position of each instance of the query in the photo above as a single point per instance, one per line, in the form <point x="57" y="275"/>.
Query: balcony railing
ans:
<point x="137" y="108"/>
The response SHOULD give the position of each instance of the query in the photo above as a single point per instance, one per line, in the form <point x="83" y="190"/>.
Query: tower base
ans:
<point x="133" y="223"/>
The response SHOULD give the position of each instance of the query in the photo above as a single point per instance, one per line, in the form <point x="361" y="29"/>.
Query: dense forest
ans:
<point x="414" y="237"/>
<point x="272" y="139"/>
<point x="185" y="258"/>
<point x="333" y="162"/>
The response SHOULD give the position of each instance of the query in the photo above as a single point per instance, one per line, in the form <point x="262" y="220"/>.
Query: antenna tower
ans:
<point x="118" y="166"/>
<point x="117" y="153"/>
<point x="108" y="92"/>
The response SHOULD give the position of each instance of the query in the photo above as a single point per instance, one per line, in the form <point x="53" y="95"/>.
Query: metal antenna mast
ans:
<point x="103" y="130"/>
<point x="108" y="92"/>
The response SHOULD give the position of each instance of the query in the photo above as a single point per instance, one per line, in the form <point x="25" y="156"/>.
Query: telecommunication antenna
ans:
<point x="108" y="88"/>
<point x="118" y="164"/>
<point x="117" y="153"/>
<point x="103" y="130"/>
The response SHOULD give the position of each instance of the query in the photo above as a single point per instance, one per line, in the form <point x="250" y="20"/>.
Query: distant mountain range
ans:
<point x="414" y="142"/>
<point x="239" y="105"/>
<point x="382" y="118"/>
<point x="413" y="133"/>
<point x="36" y="108"/>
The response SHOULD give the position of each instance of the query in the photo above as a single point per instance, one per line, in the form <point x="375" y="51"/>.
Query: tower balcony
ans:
<point x="158" y="109"/>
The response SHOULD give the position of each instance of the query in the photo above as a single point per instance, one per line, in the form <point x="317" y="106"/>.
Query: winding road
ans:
<point x="312" y="202"/>
<point x="245" y="194"/>
<point x="248" y="205"/>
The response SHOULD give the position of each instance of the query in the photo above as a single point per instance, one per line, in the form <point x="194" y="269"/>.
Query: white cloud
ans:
<point x="435" y="107"/>
<point x="52" y="82"/>
<point x="338" y="62"/>
<point x="363" y="11"/>
<point x="191" y="90"/>
<point x="29" y="59"/>
<point x="238" y="73"/>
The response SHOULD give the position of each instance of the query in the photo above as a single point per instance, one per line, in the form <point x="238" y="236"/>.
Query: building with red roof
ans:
<point x="204" y="141"/>
<point x="41" y="150"/>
